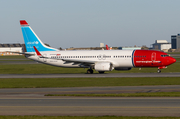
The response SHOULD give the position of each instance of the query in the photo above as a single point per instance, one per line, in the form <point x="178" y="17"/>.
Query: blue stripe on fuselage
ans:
<point x="133" y="57"/>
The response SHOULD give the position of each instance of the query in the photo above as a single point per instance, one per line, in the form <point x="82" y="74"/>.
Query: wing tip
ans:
<point x="23" y="22"/>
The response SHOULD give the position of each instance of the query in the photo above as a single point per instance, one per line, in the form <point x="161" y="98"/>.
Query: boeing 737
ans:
<point x="99" y="60"/>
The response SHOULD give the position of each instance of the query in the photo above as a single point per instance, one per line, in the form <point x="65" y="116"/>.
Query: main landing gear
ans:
<point x="101" y="72"/>
<point x="89" y="71"/>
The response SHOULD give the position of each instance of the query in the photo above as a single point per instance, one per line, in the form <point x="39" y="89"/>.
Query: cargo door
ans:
<point x="153" y="56"/>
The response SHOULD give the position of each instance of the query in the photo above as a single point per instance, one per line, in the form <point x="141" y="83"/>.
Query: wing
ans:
<point x="82" y="62"/>
<point x="66" y="61"/>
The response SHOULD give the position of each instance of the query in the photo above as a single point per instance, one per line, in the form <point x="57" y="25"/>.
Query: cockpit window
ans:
<point x="164" y="55"/>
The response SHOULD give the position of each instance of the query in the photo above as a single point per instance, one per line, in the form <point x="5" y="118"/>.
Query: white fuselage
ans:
<point x="119" y="58"/>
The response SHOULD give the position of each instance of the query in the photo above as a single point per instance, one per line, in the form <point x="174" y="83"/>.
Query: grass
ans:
<point x="37" y="69"/>
<point x="83" y="117"/>
<point x="173" y="52"/>
<point x="13" y="57"/>
<point x="151" y="94"/>
<point x="86" y="82"/>
<point x="177" y="59"/>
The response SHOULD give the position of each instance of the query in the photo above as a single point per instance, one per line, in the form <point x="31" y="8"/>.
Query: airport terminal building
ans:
<point x="175" y="41"/>
<point x="161" y="45"/>
<point x="4" y="48"/>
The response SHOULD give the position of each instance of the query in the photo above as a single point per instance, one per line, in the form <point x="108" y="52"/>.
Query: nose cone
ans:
<point x="172" y="60"/>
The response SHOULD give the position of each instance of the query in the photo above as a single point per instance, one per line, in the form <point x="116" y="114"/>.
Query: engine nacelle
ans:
<point x="123" y="68"/>
<point x="103" y="66"/>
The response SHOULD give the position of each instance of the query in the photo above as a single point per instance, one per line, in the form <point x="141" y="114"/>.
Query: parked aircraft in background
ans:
<point x="99" y="60"/>
<point x="107" y="47"/>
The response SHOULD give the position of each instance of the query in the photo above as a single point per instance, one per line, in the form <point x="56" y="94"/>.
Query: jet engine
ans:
<point x="103" y="66"/>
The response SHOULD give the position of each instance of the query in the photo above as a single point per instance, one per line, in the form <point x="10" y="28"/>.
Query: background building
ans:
<point x="175" y="41"/>
<point x="161" y="45"/>
<point x="101" y="45"/>
<point x="4" y="48"/>
<point x="130" y="48"/>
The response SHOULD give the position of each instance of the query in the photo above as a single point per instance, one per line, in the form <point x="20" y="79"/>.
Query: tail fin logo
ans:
<point x="35" y="42"/>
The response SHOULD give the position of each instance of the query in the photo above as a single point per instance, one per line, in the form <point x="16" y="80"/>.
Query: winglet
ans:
<point x="23" y="22"/>
<point x="107" y="48"/>
<point x="37" y="52"/>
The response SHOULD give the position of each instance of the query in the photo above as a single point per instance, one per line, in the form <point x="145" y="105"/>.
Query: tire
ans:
<point x="101" y="72"/>
<point x="89" y="71"/>
<point x="159" y="71"/>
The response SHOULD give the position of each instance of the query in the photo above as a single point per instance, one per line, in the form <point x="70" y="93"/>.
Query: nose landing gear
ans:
<point x="159" y="70"/>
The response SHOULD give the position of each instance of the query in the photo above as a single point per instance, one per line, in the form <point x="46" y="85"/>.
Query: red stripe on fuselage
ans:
<point x="151" y="58"/>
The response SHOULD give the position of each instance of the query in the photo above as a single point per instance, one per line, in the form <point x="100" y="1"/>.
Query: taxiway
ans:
<point x="90" y="75"/>
<point x="87" y="90"/>
<point x="96" y="106"/>
<point x="31" y="101"/>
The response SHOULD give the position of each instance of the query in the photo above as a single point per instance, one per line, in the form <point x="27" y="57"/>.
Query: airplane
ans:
<point x="99" y="60"/>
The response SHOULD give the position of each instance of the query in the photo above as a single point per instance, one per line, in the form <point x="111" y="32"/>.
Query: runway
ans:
<point x="90" y="75"/>
<point x="14" y="92"/>
<point x="31" y="101"/>
<point x="99" y="106"/>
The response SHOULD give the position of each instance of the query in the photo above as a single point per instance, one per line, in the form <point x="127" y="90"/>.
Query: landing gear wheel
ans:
<point x="101" y="72"/>
<point x="89" y="71"/>
<point x="159" y="71"/>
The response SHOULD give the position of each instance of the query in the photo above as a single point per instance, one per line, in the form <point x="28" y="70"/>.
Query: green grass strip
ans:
<point x="86" y="82"/>
<point x="12" y="57"/>
<point x="47" y="69"/>
<point x="84" y="117"/>
<point x="152" y="94"/>
<point x="173" y="52"/>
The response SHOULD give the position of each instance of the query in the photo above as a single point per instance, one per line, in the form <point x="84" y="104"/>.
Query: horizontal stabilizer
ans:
<point x="79" y="61"/>
<point x="23" y="53"/>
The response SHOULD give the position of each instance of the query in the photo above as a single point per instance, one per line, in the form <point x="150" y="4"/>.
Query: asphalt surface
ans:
<point x="89" y="75"/>
<point x="80" y="106"/>
<point x="31" y="101"/>
<point x="87" y="90"/>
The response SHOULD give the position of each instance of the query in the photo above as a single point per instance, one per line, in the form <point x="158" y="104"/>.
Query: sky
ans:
<point x="87" y="23"/>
